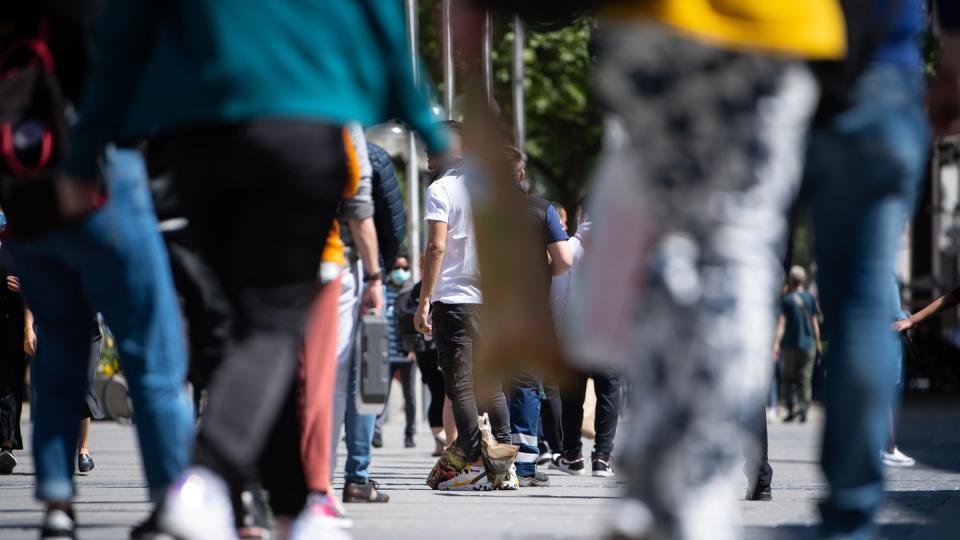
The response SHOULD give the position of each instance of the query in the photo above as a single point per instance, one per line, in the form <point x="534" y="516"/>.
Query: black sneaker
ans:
<point x="569" y="463"/>
<point x="377" y="440"/>
<point x="252" y="514"/>
<point x="148" y="529"/>
<point x="84" y="463"/>
<point x="7" y="462"/>
<point x="538" y="479"/>
<point x="762" y="493"/>
<point x="408" y="442"/>
<point x="601" y="466"/>
<point x="58" y="525"/>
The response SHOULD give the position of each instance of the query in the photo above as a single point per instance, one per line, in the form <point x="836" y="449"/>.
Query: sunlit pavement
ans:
<point x="923" y="503"/>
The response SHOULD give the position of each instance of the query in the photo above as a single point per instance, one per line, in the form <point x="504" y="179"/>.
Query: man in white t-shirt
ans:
<point x="451" y="294"/>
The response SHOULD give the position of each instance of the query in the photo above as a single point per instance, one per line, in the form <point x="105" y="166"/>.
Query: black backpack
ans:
<point x="33" y="135"/>
<point x="404" y="309"/>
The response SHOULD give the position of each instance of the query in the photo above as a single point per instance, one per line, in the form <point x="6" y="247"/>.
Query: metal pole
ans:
<point x="488" y="57"/>
<point x="447" y="51"/>
<point x="519" y="124"/>
<point x="413" y="169"/>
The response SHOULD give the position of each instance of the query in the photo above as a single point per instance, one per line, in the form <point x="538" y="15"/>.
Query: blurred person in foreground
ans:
<point x="689" y="230"/>
<point x="90" y="245"/>
<point x="864" y="168"/>
<point x="260" y="156"/>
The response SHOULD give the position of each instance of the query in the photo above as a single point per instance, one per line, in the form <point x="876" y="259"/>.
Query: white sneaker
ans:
<point x="197" y="507"/>
<point x="897" y="459"/>
<point x="320" y="519"/>
<point x="473" y="478"/>
<point x="511" y="482"/>
<point x="570" y="466"/>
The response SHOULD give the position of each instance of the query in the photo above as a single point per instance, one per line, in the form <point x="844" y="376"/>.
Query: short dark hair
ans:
<point x="515" y="155"/>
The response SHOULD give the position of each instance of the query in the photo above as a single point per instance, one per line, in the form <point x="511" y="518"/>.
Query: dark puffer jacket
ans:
<point x="389" y="216"/>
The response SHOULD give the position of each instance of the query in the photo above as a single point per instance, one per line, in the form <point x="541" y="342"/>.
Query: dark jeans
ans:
<point x="523" y="401"/>
<point x="409" y="386"/>
<point x="755" y="446"/>
<point x="550" y="417"/>
<point x="260" y="198"/>
<point x="455" y="329"/>
<point x="572" y="393"/>
<point x="433" y="378"/>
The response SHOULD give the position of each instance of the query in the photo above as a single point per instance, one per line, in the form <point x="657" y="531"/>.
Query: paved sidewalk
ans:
<point x="924" y="501"/>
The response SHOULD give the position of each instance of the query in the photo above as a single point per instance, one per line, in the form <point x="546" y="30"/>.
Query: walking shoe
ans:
<point x="321" y="518"/>
<point x="544" y="458"/>
<point x="570" y="464"/>
<point x="58" y="524"/>
<point x="355" y="492"/>
<point x="408" y="442"/>
<point x="539" y="479"/>
<point x="84" y="463"/>
<point x="601" y="467"/>
<point x="472" y="478"/>
<point x="377" y="440"/>
<point x="148" y="529"/>
<point x="7" y="462"/>
<point x="762" y="493"/>
<point x="511" y="482"/>
<point x="897" y="459"/>
<point x="197" y="507"/>
<point x="253" y="519"/>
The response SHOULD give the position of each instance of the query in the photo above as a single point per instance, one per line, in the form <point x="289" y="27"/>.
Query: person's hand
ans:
<point x="905" y="324"/>
<point x="13" y="283"/>
<point x="421" y="319"/>
<point x="29" y="342"/>
<point x="373" y="298"/>
<point x="776" y="352"/>
<point x="77" y="198"/>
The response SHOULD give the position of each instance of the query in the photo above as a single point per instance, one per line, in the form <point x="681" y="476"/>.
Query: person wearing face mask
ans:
<point x="401" y="360"/>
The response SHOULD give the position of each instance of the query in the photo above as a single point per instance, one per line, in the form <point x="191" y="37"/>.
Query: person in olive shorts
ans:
<point x="797" y="343"/>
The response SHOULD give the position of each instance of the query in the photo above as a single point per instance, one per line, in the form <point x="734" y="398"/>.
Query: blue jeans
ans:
<point x="863" y="175"/>
<point x="523" y="400"/>
<point x="113" y="262"/>
<point x="358" y="433"/>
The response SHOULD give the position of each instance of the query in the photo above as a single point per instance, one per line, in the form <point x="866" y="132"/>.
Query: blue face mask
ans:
<point x="400" y="276"/>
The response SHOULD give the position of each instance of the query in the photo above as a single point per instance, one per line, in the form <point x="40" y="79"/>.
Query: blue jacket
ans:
<point x="161" y="65"/>
<point x="389" y="216"/>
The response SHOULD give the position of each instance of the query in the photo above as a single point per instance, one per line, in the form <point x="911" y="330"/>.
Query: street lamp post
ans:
<point x="519" y="121"/>
<point x="413" y="169"/>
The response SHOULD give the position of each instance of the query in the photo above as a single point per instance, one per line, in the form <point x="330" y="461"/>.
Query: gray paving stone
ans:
<point x="923" y="501"/>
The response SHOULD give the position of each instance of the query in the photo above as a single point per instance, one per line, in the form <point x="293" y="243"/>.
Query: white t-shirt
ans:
<point x="448" y="201"/>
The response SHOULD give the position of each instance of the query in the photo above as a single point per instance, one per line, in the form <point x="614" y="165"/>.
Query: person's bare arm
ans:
<point x="432" y="257"/>
<point x="561" y="257"/>
<point x="943" y="303"/>
<point x="364" y="234"/>
<point x="29" y="336"/>
<point x="781" y="328"/>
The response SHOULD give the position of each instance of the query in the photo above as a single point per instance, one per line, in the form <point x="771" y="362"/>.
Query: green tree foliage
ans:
<point x="563" y="119"/>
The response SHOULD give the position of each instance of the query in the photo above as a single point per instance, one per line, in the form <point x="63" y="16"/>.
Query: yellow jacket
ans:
<point x="806" y="28"/>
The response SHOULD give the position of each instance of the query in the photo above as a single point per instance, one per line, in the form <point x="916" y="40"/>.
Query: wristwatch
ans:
<point x="373" y="276"/>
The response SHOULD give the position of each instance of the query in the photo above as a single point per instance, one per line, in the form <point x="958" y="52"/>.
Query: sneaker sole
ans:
<point x="604" y="474"/>
<point x="571" y="472"/>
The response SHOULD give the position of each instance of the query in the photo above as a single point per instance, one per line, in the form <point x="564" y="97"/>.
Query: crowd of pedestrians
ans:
<point x="216" y="171"/>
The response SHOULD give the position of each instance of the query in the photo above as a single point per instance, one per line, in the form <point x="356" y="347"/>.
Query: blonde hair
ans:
<point x="797" y="276"/>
